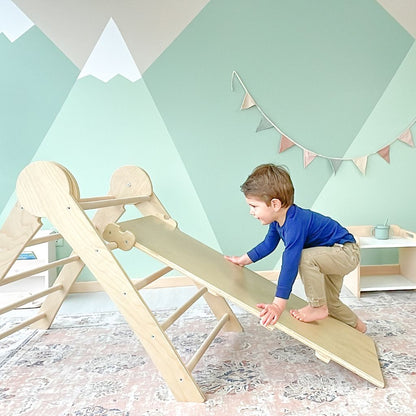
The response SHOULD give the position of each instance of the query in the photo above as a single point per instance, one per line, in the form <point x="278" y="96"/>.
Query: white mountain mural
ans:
<point x="111" y="57"/>
<point x="13" y="22"/>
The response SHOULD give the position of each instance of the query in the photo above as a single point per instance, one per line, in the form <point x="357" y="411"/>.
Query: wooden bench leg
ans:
<point x="322" y="357"/>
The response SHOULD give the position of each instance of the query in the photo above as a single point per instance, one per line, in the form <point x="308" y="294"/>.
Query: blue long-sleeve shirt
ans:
<point x="302" y="228"/>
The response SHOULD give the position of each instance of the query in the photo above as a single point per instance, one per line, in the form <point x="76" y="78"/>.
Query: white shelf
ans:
<point x="386" y="282"/>
<point x="392" y="278"/>
<point x="392" y="242"/>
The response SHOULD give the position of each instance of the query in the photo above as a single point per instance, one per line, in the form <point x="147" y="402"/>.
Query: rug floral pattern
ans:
<point x="94" y="366"/>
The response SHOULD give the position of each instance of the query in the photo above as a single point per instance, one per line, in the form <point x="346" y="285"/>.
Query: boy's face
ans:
<point x="266" y="214"/>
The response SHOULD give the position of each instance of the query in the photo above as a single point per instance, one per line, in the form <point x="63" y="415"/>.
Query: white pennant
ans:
<point x="361" y="163"/>
<point x="406" y="137"/>
<point x="308" y="157"/>
<point x="247" y="102"/>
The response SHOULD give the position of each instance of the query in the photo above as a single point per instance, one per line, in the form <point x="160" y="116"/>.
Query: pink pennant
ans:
<point x="385" y="153"/>
<point x="247" y="102"/>
<point x="285" y="143"/>
<point x="406" y="137"/>
<point x="308" y="157"/>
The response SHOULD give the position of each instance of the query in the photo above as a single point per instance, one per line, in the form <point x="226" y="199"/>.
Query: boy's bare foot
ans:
<point x="310" y="313"/>
<point x="361" y="326"/>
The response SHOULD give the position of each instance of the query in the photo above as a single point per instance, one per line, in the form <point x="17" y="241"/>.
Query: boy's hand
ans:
<point x="271" y="311"/>
<point x="239" y="260"/>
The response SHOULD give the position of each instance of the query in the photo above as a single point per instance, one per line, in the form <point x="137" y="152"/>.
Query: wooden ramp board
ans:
<point x="330" y="338"/>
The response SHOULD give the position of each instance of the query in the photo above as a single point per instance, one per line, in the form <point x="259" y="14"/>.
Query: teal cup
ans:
<point x="381" y="232"/>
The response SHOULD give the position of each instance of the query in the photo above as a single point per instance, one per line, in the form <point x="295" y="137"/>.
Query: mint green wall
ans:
<point x="35" y="78"/>
<point x="338" y="77"/>
<point x="103" y="126"/>
<point x="386" y="192"/>
<point x="318" y="74"/>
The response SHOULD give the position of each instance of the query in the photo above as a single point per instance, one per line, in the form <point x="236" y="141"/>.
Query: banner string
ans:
<point x="309" y="155"/>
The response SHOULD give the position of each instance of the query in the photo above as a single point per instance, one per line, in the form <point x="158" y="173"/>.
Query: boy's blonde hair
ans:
<point x="268" y="182"/>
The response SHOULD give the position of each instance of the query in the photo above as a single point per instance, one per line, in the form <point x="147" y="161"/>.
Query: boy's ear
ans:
<point x="276" y="204"/>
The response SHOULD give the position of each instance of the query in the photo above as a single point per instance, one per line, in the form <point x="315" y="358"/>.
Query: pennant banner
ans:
<point x="308" y="155"/>
<point x="406" y="137"/>
<point x="385" y="153"/>
<point x="335" y="164"/>
<point x="361" y="163"/>
<point x="285" y="143"/>
<point x="247" y="102"/>
<point x="264" y="125"/>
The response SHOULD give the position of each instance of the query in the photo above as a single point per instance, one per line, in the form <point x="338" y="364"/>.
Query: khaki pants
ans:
<point x="322" y="270"/>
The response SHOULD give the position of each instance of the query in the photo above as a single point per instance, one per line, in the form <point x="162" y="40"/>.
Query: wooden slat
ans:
<point x="97" y="198"/>
<point x="94" y="204"/>
<point x="22" y="325"/>
<point x="45" y="239"/>
<point x="29" y="299"/>
<point x="207" y="342"/>
<point x="39" y="269"/>
<point x="181" y="310"/>
<point x="150" y="279"/>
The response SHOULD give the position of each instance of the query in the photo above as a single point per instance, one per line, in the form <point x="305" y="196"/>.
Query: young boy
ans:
<point x="316" y="246"/>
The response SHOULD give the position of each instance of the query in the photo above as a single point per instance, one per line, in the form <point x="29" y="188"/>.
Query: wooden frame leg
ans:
<point x="19" y="227"/>
<point x="219" y="307"/>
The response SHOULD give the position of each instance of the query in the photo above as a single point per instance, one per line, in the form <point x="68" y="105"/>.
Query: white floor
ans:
<point x="156" y="299"/>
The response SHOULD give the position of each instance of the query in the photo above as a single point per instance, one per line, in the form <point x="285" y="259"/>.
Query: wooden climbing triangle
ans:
<point x="48" y="190"/>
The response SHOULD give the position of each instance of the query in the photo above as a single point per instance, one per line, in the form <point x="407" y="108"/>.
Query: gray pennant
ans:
<point x="335" y="163"/>
<point x="264" y="125"/>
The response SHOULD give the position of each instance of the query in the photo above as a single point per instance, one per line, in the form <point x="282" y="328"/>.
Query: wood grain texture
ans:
<point x="48" y="190"/>
<point x="329" y="338"/>
<point x="18" y="229"/>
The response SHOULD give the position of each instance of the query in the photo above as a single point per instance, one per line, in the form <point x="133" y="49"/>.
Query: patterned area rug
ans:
<point x="94" y="366"/>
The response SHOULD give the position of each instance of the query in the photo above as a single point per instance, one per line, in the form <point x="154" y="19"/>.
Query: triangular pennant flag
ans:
<point x="406" y="137"/>
<point x="264" y="124"/>
<point x="385" y="153"/>
<point x="335" y="164"/>
<point x="247" y="102"/>
<point x="308" y="157"/>
<point x="285" y="143"/>
<point x="361" y="163"/>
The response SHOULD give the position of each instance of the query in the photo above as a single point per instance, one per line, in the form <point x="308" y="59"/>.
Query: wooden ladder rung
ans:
<point x="195" y="359"/>
<point x="29" y="299"/>
<point x="150" y="279"/>
<point x="44" y="239"/>
<point x="36" y="270"/>
<point x="95" y="203"/>
<point x="180" y="311"/>
<point x="22" y="325"/>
